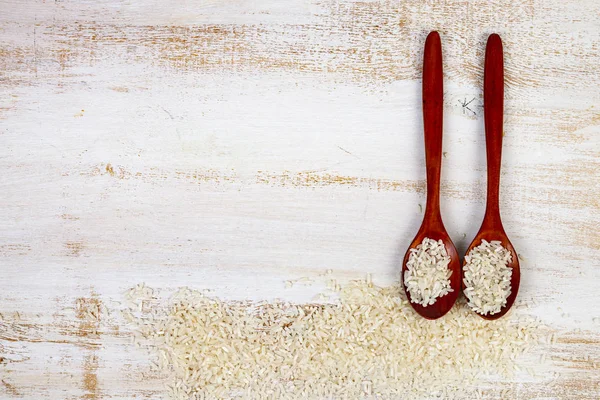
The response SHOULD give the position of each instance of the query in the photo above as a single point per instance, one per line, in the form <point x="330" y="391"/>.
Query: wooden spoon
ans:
<point x="432" y="226"/>
<point x="493" y="102"/>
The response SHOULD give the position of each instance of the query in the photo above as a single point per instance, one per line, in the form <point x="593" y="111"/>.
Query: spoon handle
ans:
<point x="433" y="93"/>
<point x="493" y="103"/>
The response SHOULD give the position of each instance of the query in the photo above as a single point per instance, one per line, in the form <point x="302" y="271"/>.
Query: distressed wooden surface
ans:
<point x="233" y="144"/>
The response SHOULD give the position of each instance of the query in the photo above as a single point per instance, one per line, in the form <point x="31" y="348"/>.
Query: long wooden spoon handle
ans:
<point x="493" y="109"/>
<point x="433" y="97"/>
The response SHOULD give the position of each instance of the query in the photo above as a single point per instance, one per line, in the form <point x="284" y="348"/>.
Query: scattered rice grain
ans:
<point x="370" y="341"/>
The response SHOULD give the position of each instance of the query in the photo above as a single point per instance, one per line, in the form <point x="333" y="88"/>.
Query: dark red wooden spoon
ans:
<point x="432" y="226"/>
<point x="493" y="111"/>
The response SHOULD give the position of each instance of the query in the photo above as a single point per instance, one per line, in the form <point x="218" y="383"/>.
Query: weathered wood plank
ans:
<point x="232" y="145"/>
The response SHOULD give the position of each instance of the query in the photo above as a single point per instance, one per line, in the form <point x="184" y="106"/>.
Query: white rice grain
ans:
<point x="486" y="276"/>
<point x="369" y="343"/>
<point x="427" y="276"/>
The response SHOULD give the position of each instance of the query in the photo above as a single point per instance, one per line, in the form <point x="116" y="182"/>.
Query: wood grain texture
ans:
<point x="230" y="145"/>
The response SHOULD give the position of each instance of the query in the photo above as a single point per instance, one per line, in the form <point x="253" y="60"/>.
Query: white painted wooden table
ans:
<point x="233" y="144"/>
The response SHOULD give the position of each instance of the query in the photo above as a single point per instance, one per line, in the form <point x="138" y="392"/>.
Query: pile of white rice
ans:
<point x="487" y="277"/>
<point x="370" y="344"/>
<point x="427" y="276"/>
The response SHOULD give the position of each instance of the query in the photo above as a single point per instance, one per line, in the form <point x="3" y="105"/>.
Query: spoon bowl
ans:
<point x="492" y="230"/>
<point x="436" y="231"/>
<point x="432" y="226"/>
<point x="491" y="227"/>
